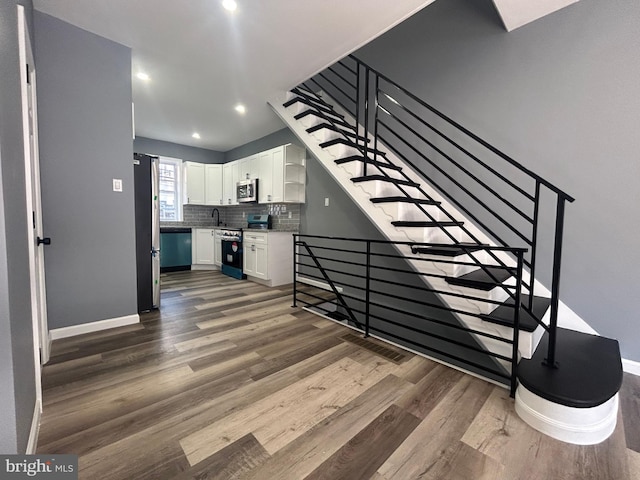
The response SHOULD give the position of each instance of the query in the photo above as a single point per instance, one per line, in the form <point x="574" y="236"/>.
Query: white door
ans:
<point x="33" y="200"/>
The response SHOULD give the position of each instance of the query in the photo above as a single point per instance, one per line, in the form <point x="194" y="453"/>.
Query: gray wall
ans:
<point x="560" y="95"/>
<point x="176" y="150"/>
<point x="17" y="385"/>
<point x="84" y="103"/>
<point x="281" y="137"/>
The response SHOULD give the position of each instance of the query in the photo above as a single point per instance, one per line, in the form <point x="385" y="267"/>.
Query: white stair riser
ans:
<point x="410" y="211"/>
<point x="356" y="169"/>
<point x="580" y="426"/>
<point x="380" y="188"/>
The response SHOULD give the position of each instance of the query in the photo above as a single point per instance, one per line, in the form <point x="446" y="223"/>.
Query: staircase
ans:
<point x="468" y="220"/>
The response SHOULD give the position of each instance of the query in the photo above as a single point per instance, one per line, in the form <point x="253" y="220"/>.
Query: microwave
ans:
<point x="247" y="191"/>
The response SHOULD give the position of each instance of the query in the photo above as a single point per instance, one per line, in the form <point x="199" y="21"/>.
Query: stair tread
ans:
<point x="350" y="132"/>
<point x="313" y="104"/>
<point x="589" y="370"/>
<point x="421" y="223"/>
<point x="421" y="201"/>
<point x="309" y="95"/>
<point x="361" y="158"/>
<point x="339" y="120"/>
<point x="503" y="315"/>
<point x="330" y="126"/>
<point x="449" y="251"/>
<point x="480" y="279"/>
<point x="382" y="178"/>
<point x="349" y="143"/>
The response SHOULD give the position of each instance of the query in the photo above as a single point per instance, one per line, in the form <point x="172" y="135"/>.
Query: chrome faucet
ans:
<point x="213" y="215"/>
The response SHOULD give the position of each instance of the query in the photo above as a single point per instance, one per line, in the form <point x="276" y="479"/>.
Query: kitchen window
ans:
<point x="170" y="191"/>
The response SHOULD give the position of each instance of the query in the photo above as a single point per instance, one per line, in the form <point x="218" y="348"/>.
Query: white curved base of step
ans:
<point x="580" y="426"/>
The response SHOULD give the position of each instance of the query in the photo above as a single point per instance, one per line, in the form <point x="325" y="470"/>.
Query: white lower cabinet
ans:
<point x="203" y="244"/>
<point x="268" y="257"/>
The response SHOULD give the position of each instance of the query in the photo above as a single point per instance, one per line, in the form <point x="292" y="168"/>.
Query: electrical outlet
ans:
<point x="117" y="185"/>
<point x="290" y="215"/>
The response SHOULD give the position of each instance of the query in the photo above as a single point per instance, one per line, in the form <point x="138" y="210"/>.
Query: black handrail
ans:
<point x="362" y="287"/>
<point x="359" y="90"/>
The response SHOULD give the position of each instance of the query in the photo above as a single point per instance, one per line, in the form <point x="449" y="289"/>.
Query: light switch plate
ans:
<point x="326" y="201"/>
<point x="117" y="184"/>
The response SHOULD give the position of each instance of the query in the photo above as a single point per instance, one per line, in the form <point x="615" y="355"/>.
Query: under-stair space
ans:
<point x="470" y="271"/>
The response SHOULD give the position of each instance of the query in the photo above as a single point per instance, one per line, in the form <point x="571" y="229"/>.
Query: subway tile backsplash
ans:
<point x="236" y="216"/>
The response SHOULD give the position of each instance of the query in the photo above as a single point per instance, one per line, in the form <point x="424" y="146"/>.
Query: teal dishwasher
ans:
<point x="175" y="249"/>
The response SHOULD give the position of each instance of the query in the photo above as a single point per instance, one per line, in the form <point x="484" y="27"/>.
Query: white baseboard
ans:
<point x="74" y="330"/>
<point x="32" y="444"/>
<point x="631" y="367"/>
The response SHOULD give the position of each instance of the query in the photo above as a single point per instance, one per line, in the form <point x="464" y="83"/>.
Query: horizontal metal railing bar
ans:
<point x="439" y="292"/>
<point x="460" y="147"/>
<point x="322" y="87"/>
<point x="342" y="250"/>
<point x="449" y="177"/>
<point x="446" y="354"/>
<point x="417" y="302"/>
<point x="457" y="164"/>
<point x="445" y="339"/>
<point x="421" y="303"/>
<point x="448" y="293"/>
<point x="438" y="261"/>
<point x="341" y="283"/>
<point x="347" y="67"/>
<point x="315" y="305"/>
<point x="431" y="305"/>
<point x="345" y="262"/>
<point x="496" y="248"/>
<point x="415" y="315"/>
<point x="507" y="288"/>
<point x="469" y="133"/>
<point x="445" y="324"/>
<point x="346" y="95"/>
<point x="347" y="82"/>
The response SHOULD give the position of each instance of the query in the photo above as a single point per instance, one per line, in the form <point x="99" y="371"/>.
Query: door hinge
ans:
<point x="33" y="217"/>
<point x="28" y="76"/>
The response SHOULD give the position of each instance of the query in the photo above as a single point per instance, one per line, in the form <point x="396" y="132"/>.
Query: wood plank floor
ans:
<point x="228" y="381"/>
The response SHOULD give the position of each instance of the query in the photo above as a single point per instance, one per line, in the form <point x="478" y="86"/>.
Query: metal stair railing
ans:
<point x="509" y="202"/>
<point x="370" y="281"/>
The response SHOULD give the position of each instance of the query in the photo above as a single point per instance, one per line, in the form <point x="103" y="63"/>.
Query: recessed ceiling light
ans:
<point x="196" y="135"/>
<point x="143" y="76"/>
<point x="230" y="5"/>
<point x="240" y="108"/>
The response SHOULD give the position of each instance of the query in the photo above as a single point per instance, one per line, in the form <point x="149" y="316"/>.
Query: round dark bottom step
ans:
<point x="588" y="373"/>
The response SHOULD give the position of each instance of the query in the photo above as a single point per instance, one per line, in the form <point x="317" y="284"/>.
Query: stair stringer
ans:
<point x="381" y="217"/>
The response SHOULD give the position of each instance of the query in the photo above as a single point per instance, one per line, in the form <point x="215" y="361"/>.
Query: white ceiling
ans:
<point x="203" y="60"/>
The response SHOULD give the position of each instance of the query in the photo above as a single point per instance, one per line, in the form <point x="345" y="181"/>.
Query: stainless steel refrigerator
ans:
<point x="147" y="211"/>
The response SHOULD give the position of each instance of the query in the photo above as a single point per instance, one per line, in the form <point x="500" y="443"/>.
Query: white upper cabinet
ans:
<point x="248" y="167"/>
<point x="229" y="178"/>
<point x="282" y="175"/>
<point x="194" y="193"/>
<point x="213" y="193"/>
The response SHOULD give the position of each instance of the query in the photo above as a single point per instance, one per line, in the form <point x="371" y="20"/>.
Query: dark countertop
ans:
<point x="175" y="229"/>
